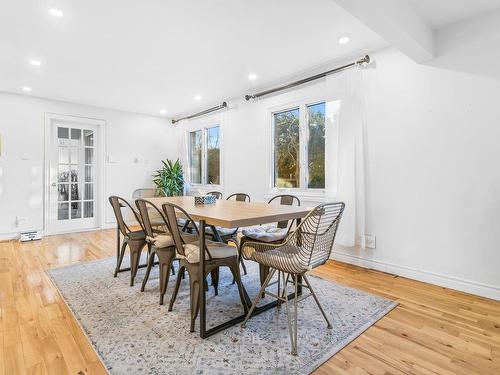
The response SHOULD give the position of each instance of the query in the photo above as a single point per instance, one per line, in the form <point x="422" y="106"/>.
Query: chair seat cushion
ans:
<point x="222" y="231"/>
<point x="265" y="233"/>
<point x="166" y="240"/>
<point x="218" y="250"/>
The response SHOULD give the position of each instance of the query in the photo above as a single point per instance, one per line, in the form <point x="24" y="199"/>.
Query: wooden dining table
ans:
<point x="230" y="214"/>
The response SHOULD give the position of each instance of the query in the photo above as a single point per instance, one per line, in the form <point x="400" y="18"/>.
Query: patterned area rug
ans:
<point x="133" y="334"/>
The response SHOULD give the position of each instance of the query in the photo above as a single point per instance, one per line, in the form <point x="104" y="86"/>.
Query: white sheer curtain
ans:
<point x="344" y="152"/>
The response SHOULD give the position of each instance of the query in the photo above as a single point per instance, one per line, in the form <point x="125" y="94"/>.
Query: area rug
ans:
<point x="133" y="334"/>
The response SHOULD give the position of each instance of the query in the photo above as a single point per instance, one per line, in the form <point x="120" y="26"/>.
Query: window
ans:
<point x="299" y="147"/>
<point x="204" y="156"/>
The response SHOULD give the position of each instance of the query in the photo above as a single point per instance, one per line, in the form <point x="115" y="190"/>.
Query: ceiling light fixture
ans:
<point x="197" y="97"/>
<point x="163" y="111"/>
<point x="35" y="62"/>
<point x="26" y="88"/>
<point x="252" y="76"/>
<point x="56" y="12"/>
<point x="343" y="40"/>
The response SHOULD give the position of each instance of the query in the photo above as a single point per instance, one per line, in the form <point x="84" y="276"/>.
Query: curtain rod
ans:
<point x="213" y="109"/>
<point x="364" y="60"/>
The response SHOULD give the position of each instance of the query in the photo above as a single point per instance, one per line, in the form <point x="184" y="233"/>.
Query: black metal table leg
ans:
<point x="203" y="301"/>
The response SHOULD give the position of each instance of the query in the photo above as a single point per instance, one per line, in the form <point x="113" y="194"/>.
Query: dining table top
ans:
<point x="232" y="213"/>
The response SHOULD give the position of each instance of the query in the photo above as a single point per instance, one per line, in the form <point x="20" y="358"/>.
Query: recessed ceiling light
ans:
<point x="56" y="12"/>
<point x="27" y="88"/>
<point x="197" y="97"/>
<point x="343" y="40"/>
<point x="163" y="111"/>
<point x="252" y="76"/>
<point x="35" y="62"/>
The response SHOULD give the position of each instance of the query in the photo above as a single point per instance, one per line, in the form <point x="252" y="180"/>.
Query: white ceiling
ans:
<point x="441" y="13"/>
<point x="143" y="56"/>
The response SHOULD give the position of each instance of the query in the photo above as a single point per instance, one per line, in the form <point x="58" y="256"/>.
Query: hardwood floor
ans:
<point x="433" y="331"/>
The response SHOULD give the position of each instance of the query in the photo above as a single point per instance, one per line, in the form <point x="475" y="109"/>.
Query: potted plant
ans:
<point x="170" y="178"/>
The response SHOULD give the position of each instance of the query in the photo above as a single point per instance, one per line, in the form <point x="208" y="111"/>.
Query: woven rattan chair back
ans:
<point x="145" y="208"/>
<point x="288" y="200"/>
<point x="117" y="203"/>
<point x="147" y="193"/>
<point x="216" y="194"/>
<point x="240" y="197"/>
<point x="315" y="236"/>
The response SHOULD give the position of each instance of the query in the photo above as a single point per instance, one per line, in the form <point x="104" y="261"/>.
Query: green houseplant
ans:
<point x="170" y="178"/>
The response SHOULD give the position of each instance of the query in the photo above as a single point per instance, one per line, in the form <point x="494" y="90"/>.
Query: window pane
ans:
<point x="63" y="192"/>
<point x="62" y="211"/>
<point x="316" y="146"/>
<point x="74" y="173"/>
<point x="63" y="155"/>
<point x="63" y="175"/>
<point x="74" y="155"/>
<point x="89" y="155"/>
<point x="213" y="156"/>
<point x="62" y="133"/>
<point x="89" y="191"/>
<point x="75" y="192"/>
<point x="286" y="149"/>
<point x="88" y="209"/>
<point x="88" y="174"/>
<point x="76" y="210"/>
<point x="195" y="156"/>
<point x="88" y="137"/>
<point x="76" y="135"/>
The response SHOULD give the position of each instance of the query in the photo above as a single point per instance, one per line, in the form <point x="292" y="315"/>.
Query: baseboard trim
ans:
<point x="467" y="286"/>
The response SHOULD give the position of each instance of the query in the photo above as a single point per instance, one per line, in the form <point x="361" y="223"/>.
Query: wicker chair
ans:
<point x="308" y="247"/>
<point x="135" y="240"/>
<point x="218" y="254"/>
<point x="160" y="245"/>
<point x="268" y="233"/>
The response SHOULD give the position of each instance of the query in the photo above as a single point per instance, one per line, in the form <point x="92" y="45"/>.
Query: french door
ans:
<point x="74" y="173"/>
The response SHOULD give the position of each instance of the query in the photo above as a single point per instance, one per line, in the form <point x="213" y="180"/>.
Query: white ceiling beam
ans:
<point x="397" y="22"/>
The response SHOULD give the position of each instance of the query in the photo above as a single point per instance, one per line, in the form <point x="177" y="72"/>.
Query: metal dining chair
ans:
<point x="216" y="194"/>
<point x="161" y="245"/>
<point x="218" y="254"/>
<point x="143" y="193"/>
<point x="135" y="240"/>
<point x="308" y="247"/>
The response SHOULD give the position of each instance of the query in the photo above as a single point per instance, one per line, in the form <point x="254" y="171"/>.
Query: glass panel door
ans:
<point x="73" y="188"/>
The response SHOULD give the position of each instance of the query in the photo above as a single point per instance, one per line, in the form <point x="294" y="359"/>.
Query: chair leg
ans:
<point x="135" y="256"/>
<point x="195" y="289"/>
<point x="243" y="266"/>
<point x="235" y="270"/>
<point x="329" y="326"/>
<point x="215" y="280"/>
<point x="292" y="323"/>
<point x="151" y="261"/>
<point x="180" y="276"/>
<point x="264" y="271"/>
<point x="120" y="259"/>
<point x="165" y="259"/>
<point x="257" y="298"/>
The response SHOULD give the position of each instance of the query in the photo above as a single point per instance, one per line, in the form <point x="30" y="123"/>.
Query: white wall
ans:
<point x="128" y="136"/>
<point x="433" y="170"/>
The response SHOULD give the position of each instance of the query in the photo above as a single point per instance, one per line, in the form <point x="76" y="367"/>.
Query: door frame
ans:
<point x="100" y="186"/>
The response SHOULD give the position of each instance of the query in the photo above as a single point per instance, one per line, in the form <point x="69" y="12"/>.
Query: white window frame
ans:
<point x="303" y="190"/>
<point x="204" y="125"/>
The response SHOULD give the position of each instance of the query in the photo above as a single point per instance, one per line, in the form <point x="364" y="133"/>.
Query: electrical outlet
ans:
<point x="370" y="241"/>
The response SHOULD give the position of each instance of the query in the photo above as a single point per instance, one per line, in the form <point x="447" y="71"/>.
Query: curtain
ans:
<point x="344" y="152"/>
